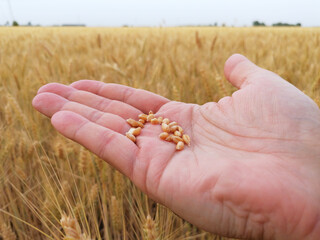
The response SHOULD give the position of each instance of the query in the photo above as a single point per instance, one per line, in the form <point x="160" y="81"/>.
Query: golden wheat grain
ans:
<point x="176" y="139"/>
<point x="154" y="121"/>
<point x="177" y="133"/>
<point x="142" y="121"/>
<point x="165" y="127"/>
<point x="180" y="146"/>
<point x="163" y="135"/>
<point x="166" y="121"/>
<point x="135" y="131"/>
<point x="169" y="138"/>
<point x="150" y="117"/>
<point x="131" y="137"/>
<point x="134" y="123"/>
<point x="143" y="116"/>
<point x="186" y="139"/>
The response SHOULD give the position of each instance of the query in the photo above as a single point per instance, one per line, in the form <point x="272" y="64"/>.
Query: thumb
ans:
<point x="238" y="70"/>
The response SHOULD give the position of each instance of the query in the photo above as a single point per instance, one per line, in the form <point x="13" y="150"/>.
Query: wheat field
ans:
<point x="45" y="178"/>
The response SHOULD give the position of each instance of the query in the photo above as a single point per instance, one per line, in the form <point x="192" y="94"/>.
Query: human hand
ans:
<point x="253" y="167"/>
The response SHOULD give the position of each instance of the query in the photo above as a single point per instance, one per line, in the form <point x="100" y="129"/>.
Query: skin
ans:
<point x="252" y="170"/>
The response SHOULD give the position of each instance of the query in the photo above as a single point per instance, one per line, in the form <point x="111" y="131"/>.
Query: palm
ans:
<point x="238" y="156"/>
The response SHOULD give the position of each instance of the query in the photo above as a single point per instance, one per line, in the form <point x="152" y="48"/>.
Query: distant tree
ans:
<point x="15" y="24"/>
<point x="215" y="24"/>
<point x="280" y="24"/>
<point x="7" y="23"/>
<point x="258" y="24"/>
<point x="29" y="24"/>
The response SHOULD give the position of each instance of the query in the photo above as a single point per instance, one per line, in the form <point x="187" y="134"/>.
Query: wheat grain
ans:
<point x="143" y="116"/>
<point x="177" y="133"/>
<point x="169" y="138"/>
<point x="163" y="135"/>
<point x="166" y="121"/>
<point x="165" y="127"/>
<point x="180" y="146"/>
<point x="186" y="139"/>
<point x="135" y="131"/>
<point x="134" y="123"/>
<point x="131" y="137"/>
<point x="176" y="139"/>
<point x="154" y="121"/>
<point x="150" y="117"/>
<point x="142" y="121"/>
<point x="172" y="124"/>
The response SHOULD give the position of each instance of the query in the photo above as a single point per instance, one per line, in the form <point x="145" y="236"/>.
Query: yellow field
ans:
<point x="43" y="175"/>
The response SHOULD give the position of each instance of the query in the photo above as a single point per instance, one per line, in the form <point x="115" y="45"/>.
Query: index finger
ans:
<point x="111" y="146"/>
<point x="138" y="98"/>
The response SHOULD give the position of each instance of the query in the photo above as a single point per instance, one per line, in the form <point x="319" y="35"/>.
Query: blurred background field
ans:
<point x="43" y="175"/>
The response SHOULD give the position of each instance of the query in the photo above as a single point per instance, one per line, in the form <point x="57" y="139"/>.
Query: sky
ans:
<point x="159" y="13"/>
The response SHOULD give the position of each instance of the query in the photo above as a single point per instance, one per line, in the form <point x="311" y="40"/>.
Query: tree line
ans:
<point x="254" y="24"/>
<point x="278" y="24"/>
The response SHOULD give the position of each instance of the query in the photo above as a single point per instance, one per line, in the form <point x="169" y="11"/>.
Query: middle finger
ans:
<point x="92" y="100"/>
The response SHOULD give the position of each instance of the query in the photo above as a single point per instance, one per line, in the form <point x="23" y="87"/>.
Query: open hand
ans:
<point x="253" y="167"/>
